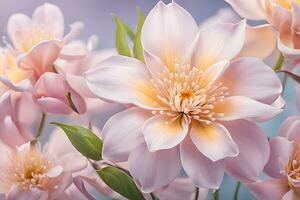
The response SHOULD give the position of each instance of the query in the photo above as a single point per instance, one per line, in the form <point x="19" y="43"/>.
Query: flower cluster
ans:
<point x="164" y="118"/>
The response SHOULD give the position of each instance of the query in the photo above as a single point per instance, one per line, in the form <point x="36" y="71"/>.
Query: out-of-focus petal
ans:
<point x="122" y="133"/>
<point x="123" y="79"/>
<point x="218" y="42"/>
<point x="72" y="162"/>
<point x="167" y="33"/>
<point x="273" y="189"/>
<point x="213" y="141"/>
<point x="281" y="150"/>
<point x="17" y="193"/>
<point x="252" y="78"/>
<point x="163" y="132"/>
<point x="241" y="107"/>
<point x="253" y="148"/>
<point x="281" y="18"/>
<point x="51" y="17"/>
<point x="162" y="167"/>
<point x="248" y="9"/>
<point x="202" y="171"/>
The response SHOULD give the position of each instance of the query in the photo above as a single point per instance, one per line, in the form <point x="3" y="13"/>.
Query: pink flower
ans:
<point x="283" y="15"/>
<point x="29" y="173"/>
<point x="193" y="106"/>
<point x="39" y="41"/>
<point x="19" y="116"/>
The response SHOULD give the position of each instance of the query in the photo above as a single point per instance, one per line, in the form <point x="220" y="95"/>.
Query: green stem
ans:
<point x="41" y="127"/>
<point x="216" y="195"/>
<point x="237" y="189"/>
<point x="279" y="63"/>
<point x="197" y="193"/>
<point x="152" y="196"/>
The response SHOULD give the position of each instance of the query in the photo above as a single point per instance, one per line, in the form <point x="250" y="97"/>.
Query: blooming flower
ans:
<point x="191" y="103"/>
<point x="283" y="15"/>
<point x="29" y="173"/>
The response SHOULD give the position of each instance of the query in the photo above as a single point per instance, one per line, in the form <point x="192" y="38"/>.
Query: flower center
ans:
<point x="287" y="4"/>
<point x="185" y="92"/>
<point x="293" y="168"/>
<point x="25" y="169"/>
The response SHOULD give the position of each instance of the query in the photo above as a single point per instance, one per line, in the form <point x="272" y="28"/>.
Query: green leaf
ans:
<point x="84" y="140"/>
<point x="71" y="103"/>
<point x="129" y="32"/>
<point x="137" y="45"/>
<point x="120" y="182"/>
<point x="121" y="42"/>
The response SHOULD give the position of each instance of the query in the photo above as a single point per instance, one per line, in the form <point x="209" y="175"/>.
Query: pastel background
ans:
<point x="96" y="15"/>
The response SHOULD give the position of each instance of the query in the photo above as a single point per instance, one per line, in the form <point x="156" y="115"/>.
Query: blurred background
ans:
<point x="97" y="17"/>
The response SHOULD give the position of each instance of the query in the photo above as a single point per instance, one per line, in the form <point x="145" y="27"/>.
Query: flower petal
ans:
<point x="260" y="41"/>
<point x="218" y="42"/>
<point x="273" y="189"/>
<point x="55" y="171"/>
<point x="253" y="148"/>
<point x="296" y="16"/>
<point x="201" y="170"/>
<point x="16" y="193"/>
<point x="122" y="79"/>
<point x="162" y="167"/>
<point x="51" y="17"/>
<point x="281" y="18"/>
<point x="167" y="33"/>
<point x="252" y="78"/>
<point x="241" y="107"/>
<point x="163" y="132"/>
<point x="122" y="133"/>
<point x="291" y="195"/>
<point x="248" y="9"/>
<point x="213" y="141"/>
<point x="72" y="162"/>
<point x="40" y="58"/>
<point x="280" y="154"/>
<point x="285" y="127"/>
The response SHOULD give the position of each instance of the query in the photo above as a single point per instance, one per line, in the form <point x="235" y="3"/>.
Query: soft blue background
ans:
<point x="96" y="15"/>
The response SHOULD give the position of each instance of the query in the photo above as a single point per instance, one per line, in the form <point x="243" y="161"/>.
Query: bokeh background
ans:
<point x="97" y="17"/>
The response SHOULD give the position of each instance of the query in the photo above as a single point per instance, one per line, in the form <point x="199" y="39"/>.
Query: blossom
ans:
<point x="39" y="41"/>
<point x="192" y="103"/>
<point x="283" y="15"/>
<point x="29" y="173"/>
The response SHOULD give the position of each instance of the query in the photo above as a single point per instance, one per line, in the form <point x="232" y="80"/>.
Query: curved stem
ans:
<point x="39" y="131"/>
<point x="237" y="189"/>
<point x="279" y="62"/>
<point x="216" y="195"/>
<point x="197" y="193"/>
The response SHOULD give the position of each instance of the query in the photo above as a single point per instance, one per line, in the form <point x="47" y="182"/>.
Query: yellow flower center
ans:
<point x="184" y="92"/>
<point x="293" y="167"/>
<point x="286" y="3"/>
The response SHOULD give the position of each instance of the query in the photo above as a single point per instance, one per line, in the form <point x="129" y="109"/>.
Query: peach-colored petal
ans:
<point x="211" y="45"/>
<point x="51" y="17"/>
<point x="296" y="16"/>
<point x="123" y="79"/>
<point x="122" y="133"/>
<point x="164" y="132"/>
<point x="280" y="154"/>
<point x="253" y="148"/>
<point x="252" y="78"/>
<point x="162" y="167"/>
<point x="202" y="171"/>
<point x="248" y="9"/>
<point x="167" y="33"/>
<point x="260" y="42"/>
<point x="213" y="141"/>
<point x="241" y="107"/>
<point x="273" y="189"/>
<point x="281" y="18"/>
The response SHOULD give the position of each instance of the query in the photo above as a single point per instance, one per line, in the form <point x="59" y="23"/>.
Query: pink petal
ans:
<point x="51" y="17"/>
<point x="72" y="162"/>
<point x="81" y="187"/>
<point x="167" y="33"/>
<point x="281" y="18"/>
<point x="291" y="195"/>
<point x="260" y="42"/>
<point x="55" y="171"/>
<point x="162" y="167"/>
<point x="40" y="58"/>
<point x="123" y="79"/>
<point x="62" y="182"/>
<point x="122" y="133"/>
<point x="53" y="105"/>
<point x="280" y="154"/>
<point x="248" y="9"/>
<point x="218" y="42"/>
<point x="286" y="46"/>
<point x="241" y="107"/>
<point x="73" y="51"/>
<point x="213" y="141"/>
<point x="296" y="16"/>
<point x="253" y="148"/>
<point x="16" y="193"/>
<point x="250" y="77"/>
<point x="163" y="132"/>
<point x="290" y="129"/>
<point x="273" y="189"/>
<point x="201" y="170"/>
<point x="213" y="73"/>
<point x="297" y="88"/>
